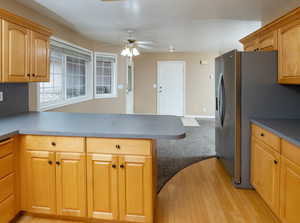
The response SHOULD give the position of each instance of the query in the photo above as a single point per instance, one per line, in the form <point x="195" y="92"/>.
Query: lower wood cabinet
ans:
<point x="120" y="187"/>
<point x="265" y="168"/>
<point x="289" y="191"/>
<point x="56" y="183"/>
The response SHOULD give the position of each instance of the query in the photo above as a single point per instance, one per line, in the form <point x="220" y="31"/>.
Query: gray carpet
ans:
<point x="175" y="155"/>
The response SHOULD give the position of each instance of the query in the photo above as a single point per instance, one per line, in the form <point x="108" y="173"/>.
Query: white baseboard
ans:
<point x="199" y="116"/>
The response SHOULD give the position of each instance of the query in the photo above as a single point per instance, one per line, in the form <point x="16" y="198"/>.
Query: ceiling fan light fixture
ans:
<point x="135" y="52"/>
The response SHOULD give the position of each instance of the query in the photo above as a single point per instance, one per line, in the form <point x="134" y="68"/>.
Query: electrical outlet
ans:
<point x="1" y="96"/>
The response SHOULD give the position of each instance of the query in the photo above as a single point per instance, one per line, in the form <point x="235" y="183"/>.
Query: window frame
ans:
<point x="89" y="82"/>
<point x="114" y="93"/>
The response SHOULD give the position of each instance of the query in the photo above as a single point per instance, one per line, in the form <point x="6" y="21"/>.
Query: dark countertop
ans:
<point x="288" y="129"/>
<point x="92" y="125"/>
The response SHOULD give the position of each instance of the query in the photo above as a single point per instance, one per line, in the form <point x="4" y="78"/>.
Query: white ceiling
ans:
<point x="188" y="25"/>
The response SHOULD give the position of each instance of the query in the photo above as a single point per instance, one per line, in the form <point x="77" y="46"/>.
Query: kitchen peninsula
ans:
<point x="82" y="166"/>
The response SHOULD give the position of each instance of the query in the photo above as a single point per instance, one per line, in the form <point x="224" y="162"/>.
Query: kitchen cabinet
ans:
<point x="275" y="175"/>
<point x="102" y="182"/>
<point x="135" y="188"/>
<point x="289" y="54"/>
<point x="71" y="184"/>
<point x="24" y="50"/>
<point x="268" y="41"/>
<point x="40" y="62"/>
<point x="16" y="53"/>
<point x="41" y="182"/>
<point x="283" y="35"/>
<point x="265" y="169"/>
<point x="289" y="192"/>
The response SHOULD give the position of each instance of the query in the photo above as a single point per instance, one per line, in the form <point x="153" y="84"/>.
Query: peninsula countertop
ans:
<point x="92" y="125"/>
<point x="288" y="129"/>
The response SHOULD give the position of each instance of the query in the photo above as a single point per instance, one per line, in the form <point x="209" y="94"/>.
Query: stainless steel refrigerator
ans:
<point x="246" y="87"/>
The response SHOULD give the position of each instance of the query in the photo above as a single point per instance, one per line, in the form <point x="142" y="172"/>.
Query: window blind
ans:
<point x="70" y="50"/>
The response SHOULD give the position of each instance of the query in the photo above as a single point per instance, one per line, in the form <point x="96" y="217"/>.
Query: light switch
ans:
<point x="1" y="96"/>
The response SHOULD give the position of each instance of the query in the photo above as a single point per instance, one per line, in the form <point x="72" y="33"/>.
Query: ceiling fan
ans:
<point x="131" y="45"/>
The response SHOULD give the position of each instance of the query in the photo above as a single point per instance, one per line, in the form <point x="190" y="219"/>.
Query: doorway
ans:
<point x="171" y="88"/>
<point x="130" y="87"/>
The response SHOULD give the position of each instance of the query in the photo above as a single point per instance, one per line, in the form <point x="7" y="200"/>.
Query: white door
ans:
<point x="129" y="87"/>
<point x="170" y="88"/>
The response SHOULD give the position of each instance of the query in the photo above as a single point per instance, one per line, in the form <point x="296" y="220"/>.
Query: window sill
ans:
<point x="64" y="103"/>
<point x="106" y="96"/>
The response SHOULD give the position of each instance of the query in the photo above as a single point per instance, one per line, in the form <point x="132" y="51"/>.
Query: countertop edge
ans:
<point x="276" y="132"/>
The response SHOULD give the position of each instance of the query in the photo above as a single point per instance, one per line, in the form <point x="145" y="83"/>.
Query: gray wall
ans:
<point x="15" y="99"/>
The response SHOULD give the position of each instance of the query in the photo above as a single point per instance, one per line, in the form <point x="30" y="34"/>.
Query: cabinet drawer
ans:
<point x="6" y="165"/>
<point x="53" y="143"/>
<point x="6" y="147"/>
<point x="267" y="137"/>
<point x="7" y="209"/>
<point x="6" y="187"/>
<point x="290" y="151"/>
<point x="119" y="146"/>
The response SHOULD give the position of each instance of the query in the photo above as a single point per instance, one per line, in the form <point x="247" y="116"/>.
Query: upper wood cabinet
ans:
<point x="24" y="50"/>
<point x="289" y="53"/>
<point x="283" y="35"/>
<point x="16" y="53"/>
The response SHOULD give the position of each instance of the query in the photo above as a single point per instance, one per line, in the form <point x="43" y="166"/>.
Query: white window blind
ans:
<point x="105" y="75"/>
<point x="70" y="72"/>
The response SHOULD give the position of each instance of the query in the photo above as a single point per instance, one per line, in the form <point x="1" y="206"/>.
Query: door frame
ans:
<point x="129" y="62"/>
<point x="183" y="87"/>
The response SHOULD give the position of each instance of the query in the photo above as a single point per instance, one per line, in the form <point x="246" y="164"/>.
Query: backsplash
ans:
<point x="15" y="99"/>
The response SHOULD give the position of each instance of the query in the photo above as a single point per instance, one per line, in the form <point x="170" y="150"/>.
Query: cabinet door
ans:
<point x="265" y="173"/>
<point x="71" y="184"/>
<point x="251" y="45"/>
<point x="268" y="41"/>
<point x="135" y="189"/>
<point x="102" y="171"/>
<point x="15" y="55"/>
<point x="40" y="63"/>
<point x="289" y="53"/>
<point x="41" y="182"/>
<point x="289" y="192"/>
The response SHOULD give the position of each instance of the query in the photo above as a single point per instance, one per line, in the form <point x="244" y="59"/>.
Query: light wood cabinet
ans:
<point x="265" y="164"/>
<point x="268" y="41"/>
<point x="40" y="62"/>
<point x="71" y="184"/>
<point x="102" y="181"/>
<point x="135" y="188"/>
<point x="289" y="192"/>
<point x="282" y="34"/>
<point x="41" y="182"/>
<point x="16" y="53"/>
<point x="289" y="53"/>
<point x="24" y="50"/>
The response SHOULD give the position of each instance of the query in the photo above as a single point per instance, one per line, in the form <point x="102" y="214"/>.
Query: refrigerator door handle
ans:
<point x="221" y="96"/>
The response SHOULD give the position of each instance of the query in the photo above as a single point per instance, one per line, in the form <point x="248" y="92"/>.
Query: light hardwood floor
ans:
<point x="202" y="193"/>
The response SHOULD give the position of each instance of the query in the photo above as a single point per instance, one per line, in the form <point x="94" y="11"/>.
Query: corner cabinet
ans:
<point x="24" y="50"/>
<point x="275" y="175"/>
<point x="282" y="35"/>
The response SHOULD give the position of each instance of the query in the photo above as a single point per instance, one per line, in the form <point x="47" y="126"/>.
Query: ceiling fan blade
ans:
<point x="144" y="42"/>
<point x="144" y="46"/>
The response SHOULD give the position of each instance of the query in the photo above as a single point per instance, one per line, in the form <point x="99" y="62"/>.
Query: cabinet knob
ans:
<point x="53" y="143"/>
<point x="57" y="163"/>
<point x="28" y="75"/>
<point x="50" y="162"/>
<point x="275" y="161"/>
<point x="33" y="75"/>
<point x="114" y="166"/>
<point x="262" y="135"/>
<point x="118" y="146"/>
<point x="122" y="166"/>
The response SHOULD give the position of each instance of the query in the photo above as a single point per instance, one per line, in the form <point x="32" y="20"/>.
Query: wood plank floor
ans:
<point x="202" y="193"/>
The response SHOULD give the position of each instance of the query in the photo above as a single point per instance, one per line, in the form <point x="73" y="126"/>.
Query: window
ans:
<point x="105" y="75"/>
<point x="70" y="74"/>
